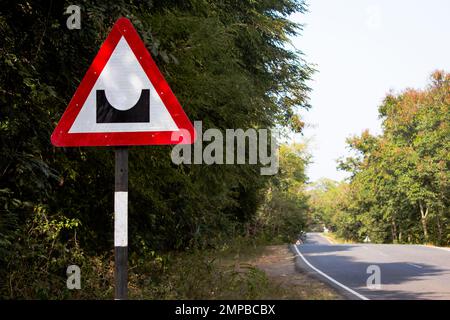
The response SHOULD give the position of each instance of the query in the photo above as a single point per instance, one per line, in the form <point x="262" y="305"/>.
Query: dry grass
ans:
<point x="284" y="281"/>
<point x="334" y="239"/>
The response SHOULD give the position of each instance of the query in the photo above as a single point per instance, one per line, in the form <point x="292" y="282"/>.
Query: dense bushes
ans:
<point x="282" y="215"/>
<point x="227" y="64"/>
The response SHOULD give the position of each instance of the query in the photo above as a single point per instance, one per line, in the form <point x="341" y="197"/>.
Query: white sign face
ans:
<point x="121" y="87"/>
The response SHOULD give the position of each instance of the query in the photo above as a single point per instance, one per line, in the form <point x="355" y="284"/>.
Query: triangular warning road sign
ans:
<point x="123" y="99"/>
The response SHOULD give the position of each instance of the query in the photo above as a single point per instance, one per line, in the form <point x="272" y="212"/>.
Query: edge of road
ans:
<point x="302" y="265"/>
<point x="329" y="239"/>
<point x="435" y="247"/>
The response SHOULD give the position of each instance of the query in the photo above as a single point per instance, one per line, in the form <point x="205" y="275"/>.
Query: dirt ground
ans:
<point x="278" y="263"/>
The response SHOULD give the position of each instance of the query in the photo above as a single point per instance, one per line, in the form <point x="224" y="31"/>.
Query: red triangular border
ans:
<point x="61" y="136"/>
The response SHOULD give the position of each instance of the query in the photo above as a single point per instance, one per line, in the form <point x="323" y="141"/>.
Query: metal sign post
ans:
<point x="121" y="224"/>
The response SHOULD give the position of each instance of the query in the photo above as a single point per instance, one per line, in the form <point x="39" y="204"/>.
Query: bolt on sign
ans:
<point x="123" y="100"/>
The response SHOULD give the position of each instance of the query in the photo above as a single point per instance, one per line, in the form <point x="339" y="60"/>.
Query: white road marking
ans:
<point x="381" y="253"/>
<point x="414" y="265"/>
<point x="360" y="296"/>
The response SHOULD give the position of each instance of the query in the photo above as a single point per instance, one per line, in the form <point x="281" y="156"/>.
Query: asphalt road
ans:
<point x="406" y="271"/>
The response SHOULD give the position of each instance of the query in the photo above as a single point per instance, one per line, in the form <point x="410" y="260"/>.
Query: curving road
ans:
<point x="406" y="271"/>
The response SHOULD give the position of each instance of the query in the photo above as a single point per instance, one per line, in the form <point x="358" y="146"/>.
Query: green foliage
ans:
<point x="36" y="252"/>
<point x="227" y="63"/>
<point x="282" y="215"/>
<point x="399" y="189"/>
<point x="204" y="277"/>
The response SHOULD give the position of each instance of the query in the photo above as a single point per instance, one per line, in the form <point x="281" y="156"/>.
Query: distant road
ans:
<point x="407" y="271"/>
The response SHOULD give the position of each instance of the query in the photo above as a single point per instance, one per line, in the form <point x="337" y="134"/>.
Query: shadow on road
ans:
<point x="348" y="264"/>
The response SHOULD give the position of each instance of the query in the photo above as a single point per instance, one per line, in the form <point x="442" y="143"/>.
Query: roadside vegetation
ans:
<point x="399" y="187"/>
<point x="230" y="65"/>
<point x="335" y="239"/>
<point x="244" y="269"/>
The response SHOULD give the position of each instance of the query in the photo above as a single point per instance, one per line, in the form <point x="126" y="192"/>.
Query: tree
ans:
<point x="282" y="215"/>
<point x="227" y="63"/>
<point x="406" y="169"/>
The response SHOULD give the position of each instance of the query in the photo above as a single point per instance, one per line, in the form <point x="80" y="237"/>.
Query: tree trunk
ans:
<point x="423" y="218"/>
<point x="394" y="231"/>
<point x="439" y="226"/>
<point x="425" y="231"/>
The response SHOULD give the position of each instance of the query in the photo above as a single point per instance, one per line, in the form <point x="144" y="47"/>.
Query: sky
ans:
<point x="363" y="49"/>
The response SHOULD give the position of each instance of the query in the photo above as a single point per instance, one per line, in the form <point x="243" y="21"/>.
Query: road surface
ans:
<point x="407" y="271"/>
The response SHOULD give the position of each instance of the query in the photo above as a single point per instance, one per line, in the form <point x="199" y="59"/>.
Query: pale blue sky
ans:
<point x="362" y="49"/>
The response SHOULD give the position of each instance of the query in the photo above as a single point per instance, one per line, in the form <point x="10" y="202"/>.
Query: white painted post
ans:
<point x="121" y="224"/>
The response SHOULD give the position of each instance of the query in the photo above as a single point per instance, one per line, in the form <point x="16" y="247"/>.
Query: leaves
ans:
<point x="405" y="171"/>
<point x="226" y="62"/>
